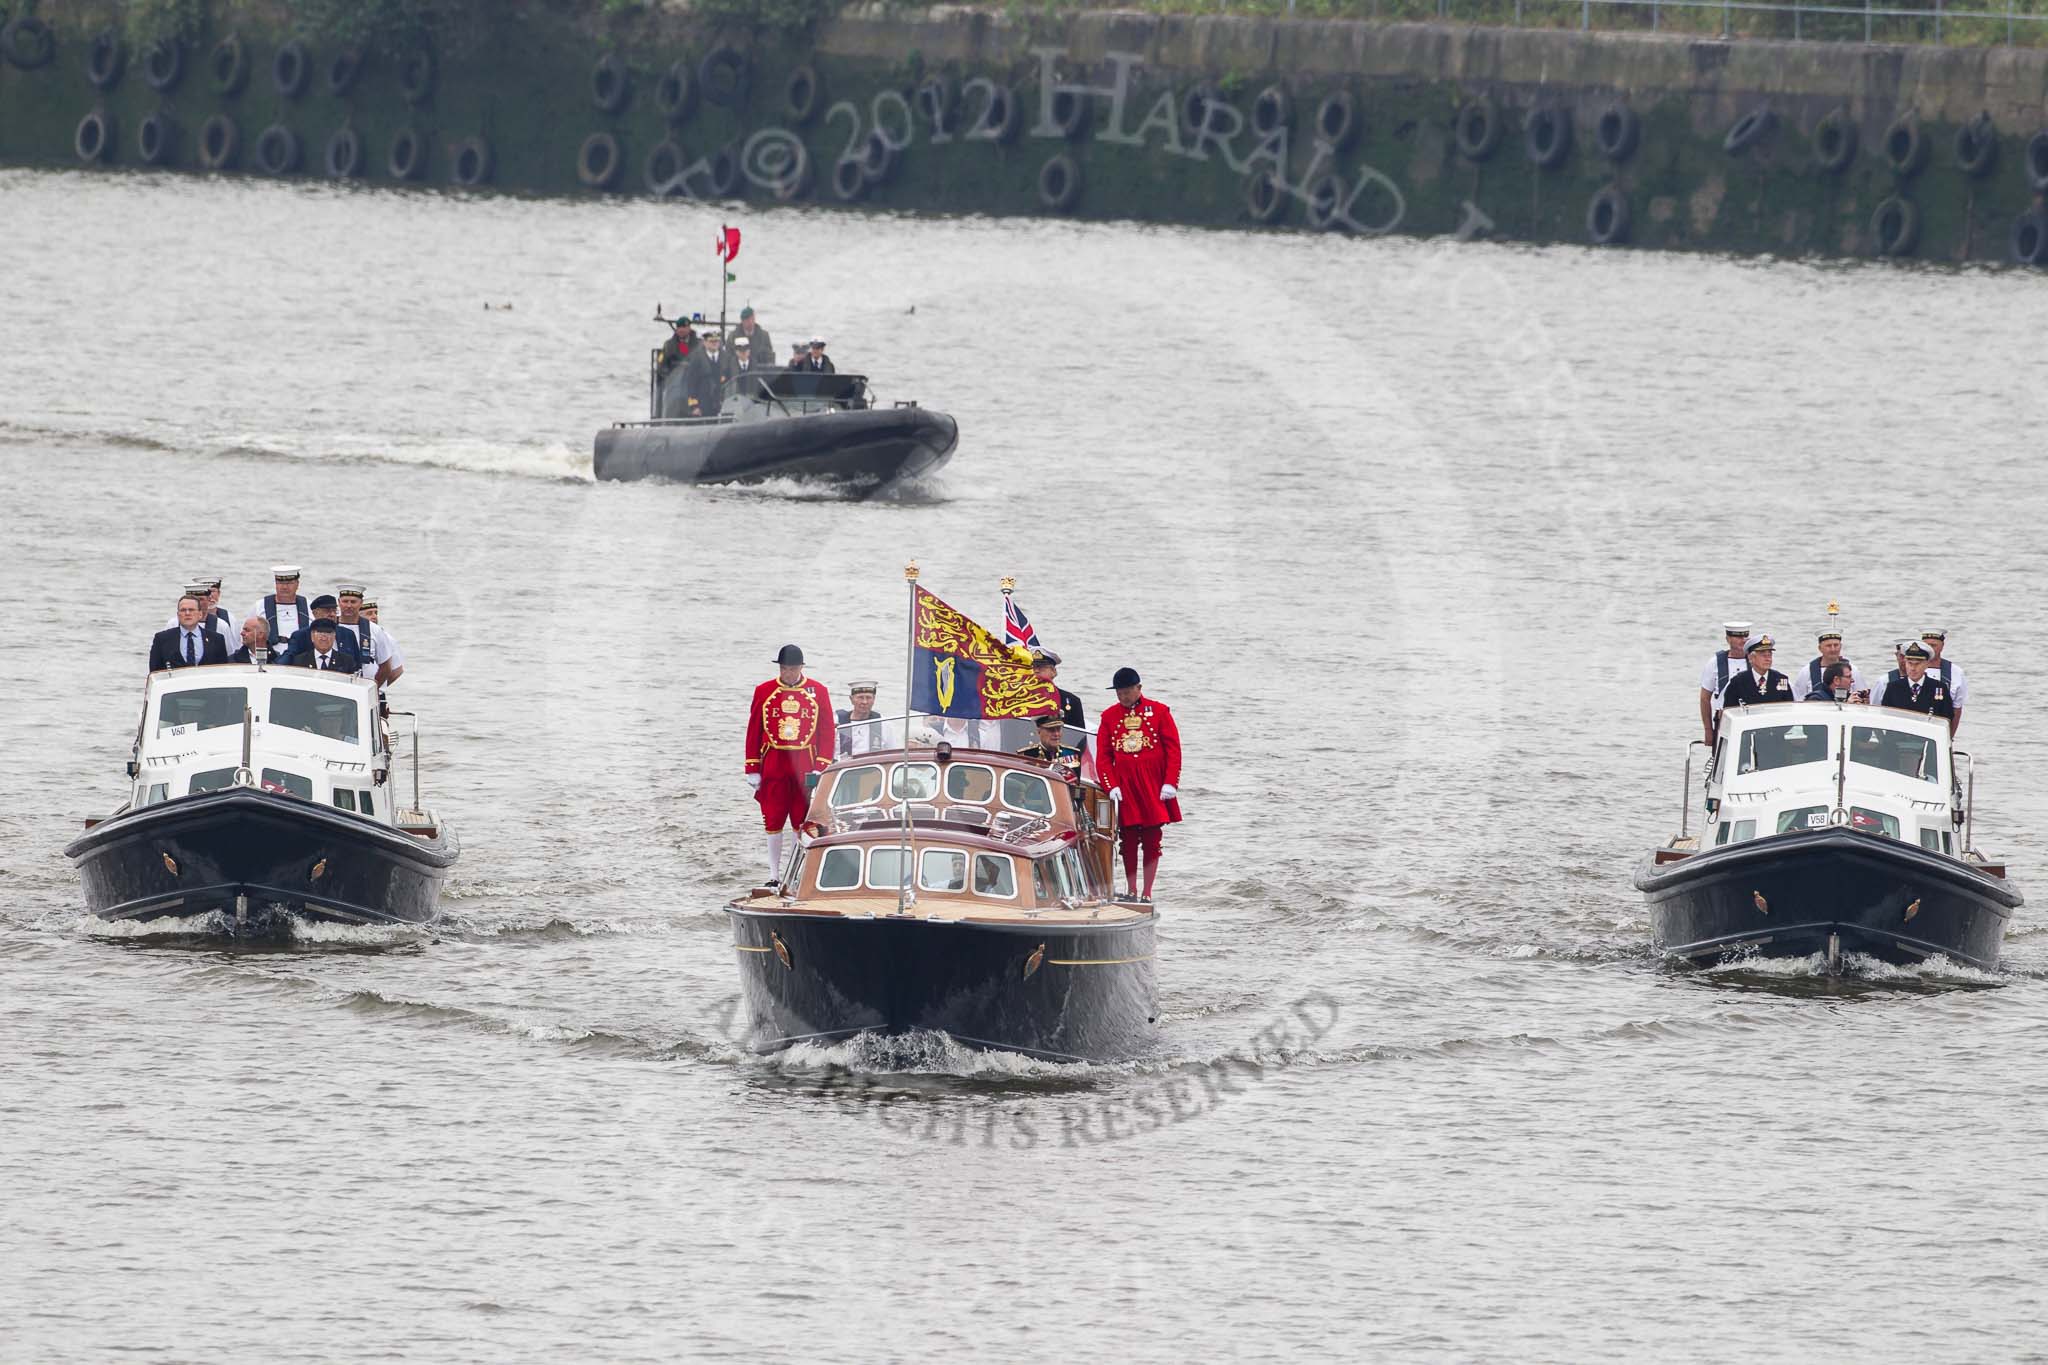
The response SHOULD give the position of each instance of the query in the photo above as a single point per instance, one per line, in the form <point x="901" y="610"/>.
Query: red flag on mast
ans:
<point x="728" y="244"/>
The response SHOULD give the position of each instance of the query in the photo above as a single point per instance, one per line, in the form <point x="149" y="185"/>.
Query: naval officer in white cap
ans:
<point x="382" y="660"/>
<point x="283" y="611"/>
<point x="1722" y="665"/>
<point x="1806" y="682"/>
<point x="1950" y="672"/>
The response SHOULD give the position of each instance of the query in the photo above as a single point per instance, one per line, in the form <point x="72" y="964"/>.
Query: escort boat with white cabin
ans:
<point x="964" y="892"/>
<point x="1831" y="828"/>
<point x="263" y="788"/>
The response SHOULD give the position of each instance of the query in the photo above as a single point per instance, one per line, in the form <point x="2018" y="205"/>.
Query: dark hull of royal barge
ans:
<point x="246" y="850"/>
<point x="1061" y="992"/>
<point x="1789" y="895"/>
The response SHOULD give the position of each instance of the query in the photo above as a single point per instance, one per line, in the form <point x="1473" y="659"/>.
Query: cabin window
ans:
<point x="1027" y="792"/>
<point x="201" y="708"/>
<point x="1938" y="839"/>
<point x="315" y="713"/>
<point x="969" y="782"/>
<point x="857" y="787"/>
<point x="1735" y="832"/>
<point x="839" y="869"/>
<point x="995" y="875"/>
<point x="1874" y="822"/>
<point x="148" y="794"/>
<point x="211" y="780"/>
<point x="1895" y="751"/>
<point x="1780" y="746"/>
<point x="885" y="869"/>
<point x="942" y="869"/>
<point x="1041" y="881"/>
<point x="914" y="781"/>
<point x="345" y="798"/>
<point x="289" y="784"/>
<point x="365" y="804"/>
<point x="1806" y="817"/>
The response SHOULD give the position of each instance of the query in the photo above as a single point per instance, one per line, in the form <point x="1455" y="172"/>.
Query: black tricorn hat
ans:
<point x="1125" y="677"/>
<point x="789" y="654"/>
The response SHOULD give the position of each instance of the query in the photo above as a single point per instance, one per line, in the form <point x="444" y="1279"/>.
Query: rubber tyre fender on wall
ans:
<point x="1547" y="136"/>
<point x="1325" y="198"/>
<point x="344" y="68"/>
<point x="724" y="180"/>
<point x="1616" y="131"/>
<point x="1905" y="147"/>
<point x="878" y="158"/>
<point x="1834" y="141"/>
<point x="26" y="42"/>
<point x="227" y="66"/>
<point x="849" y="180"/>
<point x="2030" y="238"/>
<point x="163" y="66"/>
<point x="803" y="94"/>
<point x="1337" y="121"/>
<point x="417" y="72"/>
<point x="1977" y="147"/>
<point x="1749" y="129"/>
<point x="470" y="163"/>
<point x="937" y="99"/>
<point x="2037" y="162"/>
<point x="1004" y="117"/>
<point x="220" y="142"/>
<point x="105" y="60"/>
<point x="154" y="139"/>
<point x="277" y="150"/>
<point x="1477" y="129"/>
<point x="1895" y="227"/>
<point x="407" y="156"/>
<point x="1272" y="110"/>
<point x="1607" y="217"/>
<point x="1071" y="114"/>
<point x="723" y="76"/>
<point x="343" y="158"/>
<point x="93" y="140"/>
<point x="1059" y="183"/>
<point x="1194" y="110"/>
<point x="598" y="161"/>
<point x="1265" y="198"/>
<point x="661" y="170"/>
<point x="675" y="94"/>
<point x="611" y="87"/>
<point x="289" y="69"/>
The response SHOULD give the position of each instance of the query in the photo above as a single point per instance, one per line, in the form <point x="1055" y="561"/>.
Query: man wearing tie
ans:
<point x="320" y="651"/>
<point x="189" y="643"/>
<point x="1918" y="692"/>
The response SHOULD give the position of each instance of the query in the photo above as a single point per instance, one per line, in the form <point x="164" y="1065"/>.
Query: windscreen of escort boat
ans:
<point x="1895" y="751"/>
<point x="200" y="708"/>
<point x="1781" y="746"/>
<point x="315" y="713"/>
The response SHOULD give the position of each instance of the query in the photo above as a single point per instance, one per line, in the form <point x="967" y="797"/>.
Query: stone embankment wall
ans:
<point x="1526" y="135"/>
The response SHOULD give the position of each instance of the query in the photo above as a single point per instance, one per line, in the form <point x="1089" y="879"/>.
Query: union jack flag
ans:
<point x="1016" y="629"/>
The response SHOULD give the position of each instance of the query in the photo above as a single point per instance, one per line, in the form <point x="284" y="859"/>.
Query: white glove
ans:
<point x="1116" y="793"/>
<point x="753" y="781"/>
<point x="1168" y="792"/>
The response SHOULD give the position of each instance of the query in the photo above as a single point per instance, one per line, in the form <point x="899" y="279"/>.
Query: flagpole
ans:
<point x="724" y="273"/>
<point x="906" y="847"/>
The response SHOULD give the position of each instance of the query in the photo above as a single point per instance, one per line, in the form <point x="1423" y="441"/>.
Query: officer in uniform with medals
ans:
<point x="324" y="609"/>
<point x="381" y="659"/>
<point x="1920" y="691"/>
<point x="1063" y="759"/>
<point x="1722" y="665"/>
<point x="1045" y="665"/>
<point x="1137" y="757"/>
<point x="1759" y="683"/>
<point x="789" y="737"/>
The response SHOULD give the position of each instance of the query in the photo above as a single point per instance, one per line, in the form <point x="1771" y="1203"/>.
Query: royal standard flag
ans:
<point x="964" y="671"/>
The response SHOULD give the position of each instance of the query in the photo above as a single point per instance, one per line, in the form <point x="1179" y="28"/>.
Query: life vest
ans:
<point x="278" y="641"/>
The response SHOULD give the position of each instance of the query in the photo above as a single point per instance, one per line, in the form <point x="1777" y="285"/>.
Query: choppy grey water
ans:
<point x="1423" y="542"/>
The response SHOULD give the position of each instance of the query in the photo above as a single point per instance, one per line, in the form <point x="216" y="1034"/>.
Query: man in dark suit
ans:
<point x="346" y="641"/>
<point x="189" y="643"/>
<point x="1916" y="691"/>
<point x="1759" y="683"/>
<point x="324" y="651"/>
<point x="255" y="636"/>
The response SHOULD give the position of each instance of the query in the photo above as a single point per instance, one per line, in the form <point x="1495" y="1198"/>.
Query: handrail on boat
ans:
<point x="1685" y="796"/>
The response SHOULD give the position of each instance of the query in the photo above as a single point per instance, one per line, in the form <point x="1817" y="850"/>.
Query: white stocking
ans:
<point x="775" y="856"/>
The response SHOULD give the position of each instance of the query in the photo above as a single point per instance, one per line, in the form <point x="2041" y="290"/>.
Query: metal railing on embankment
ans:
<point x="2018" y="22"/>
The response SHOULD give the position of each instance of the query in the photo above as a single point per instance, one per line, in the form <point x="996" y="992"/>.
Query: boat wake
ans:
<point x="1857" y="969"/>
<point x="272" y="927"/>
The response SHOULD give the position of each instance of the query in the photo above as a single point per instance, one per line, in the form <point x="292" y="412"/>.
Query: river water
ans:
<point x="1423" y="541"/>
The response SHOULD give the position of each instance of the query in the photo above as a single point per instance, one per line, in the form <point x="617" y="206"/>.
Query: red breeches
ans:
<point x="783" y="801"/>
<point x="1139" y="837"/>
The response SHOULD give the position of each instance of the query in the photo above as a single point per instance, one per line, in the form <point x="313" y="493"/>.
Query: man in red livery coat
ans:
<point x="1137" y="757"/>
<point x="789" y="737"/>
